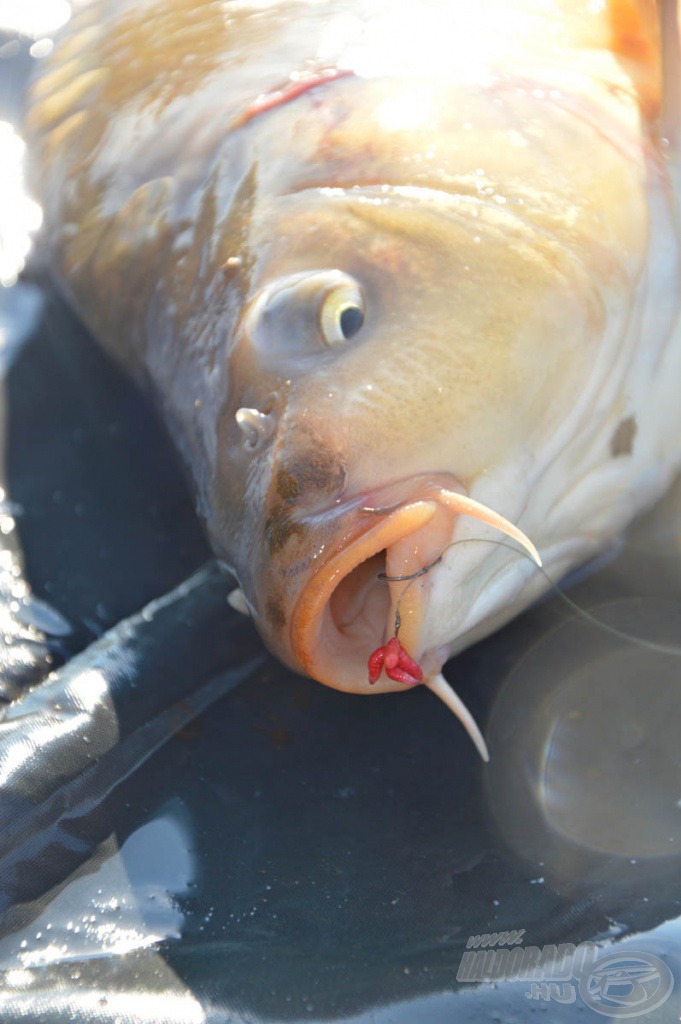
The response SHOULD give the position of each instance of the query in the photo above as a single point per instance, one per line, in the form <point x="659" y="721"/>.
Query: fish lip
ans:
<point x="380" y="501"/>
<point x="405" y="520"/>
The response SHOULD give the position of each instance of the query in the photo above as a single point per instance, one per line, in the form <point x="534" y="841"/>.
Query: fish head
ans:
<point x="401" y="351"/>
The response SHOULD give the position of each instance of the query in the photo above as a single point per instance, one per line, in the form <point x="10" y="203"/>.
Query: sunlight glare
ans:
<point x="20" y="216"/>
<point x="33" y="18"/>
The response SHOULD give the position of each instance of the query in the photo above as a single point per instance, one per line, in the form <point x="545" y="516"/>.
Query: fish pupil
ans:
<point x="351" y="320"/>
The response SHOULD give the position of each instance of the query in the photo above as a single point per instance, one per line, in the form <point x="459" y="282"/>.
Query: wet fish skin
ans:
<point x="494" y="184"/>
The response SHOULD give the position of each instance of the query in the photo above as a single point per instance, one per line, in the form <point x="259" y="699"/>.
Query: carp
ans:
<point x="403" y="282"/>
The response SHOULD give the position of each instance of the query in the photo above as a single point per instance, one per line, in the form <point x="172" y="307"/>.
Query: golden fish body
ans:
<point x="373" y="260"/>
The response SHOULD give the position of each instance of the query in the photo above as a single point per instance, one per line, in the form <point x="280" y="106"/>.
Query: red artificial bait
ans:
<point x="397" y="664"/>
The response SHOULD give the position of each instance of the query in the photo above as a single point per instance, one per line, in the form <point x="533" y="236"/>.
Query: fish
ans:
<point x="402" y="280"/>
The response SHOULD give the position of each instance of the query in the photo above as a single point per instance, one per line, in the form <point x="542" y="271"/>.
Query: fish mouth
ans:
<point x="375" y="583"/>
<point x="350" y="604"/>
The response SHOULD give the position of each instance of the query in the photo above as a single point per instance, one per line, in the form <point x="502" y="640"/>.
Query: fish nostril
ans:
<point x="270" y="406"/>
<point x="256" y="427"/>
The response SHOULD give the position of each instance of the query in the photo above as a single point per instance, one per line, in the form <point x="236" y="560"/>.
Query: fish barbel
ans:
<point x="399" y="277"/>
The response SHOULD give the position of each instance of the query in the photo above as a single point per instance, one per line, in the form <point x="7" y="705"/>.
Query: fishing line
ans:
<point x="411" y="577"/>
<point x="639" y="641"/>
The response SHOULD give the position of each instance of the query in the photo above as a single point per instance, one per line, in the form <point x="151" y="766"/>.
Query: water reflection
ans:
<point x="100" y="930"/>
<point x="127" y="899"/>
<point x="585" y="756"/>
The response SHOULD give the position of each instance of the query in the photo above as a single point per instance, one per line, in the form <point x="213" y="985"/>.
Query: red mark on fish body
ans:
<point x="397" y="664"/>
<point x="290" y="91"/>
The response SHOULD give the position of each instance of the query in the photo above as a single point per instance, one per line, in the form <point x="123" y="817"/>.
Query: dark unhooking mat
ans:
<point x="188" y="832"/>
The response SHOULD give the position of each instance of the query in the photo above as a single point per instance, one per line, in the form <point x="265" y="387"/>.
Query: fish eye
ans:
<point x="300" y="314"/>
<point x="342" y="314"/>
